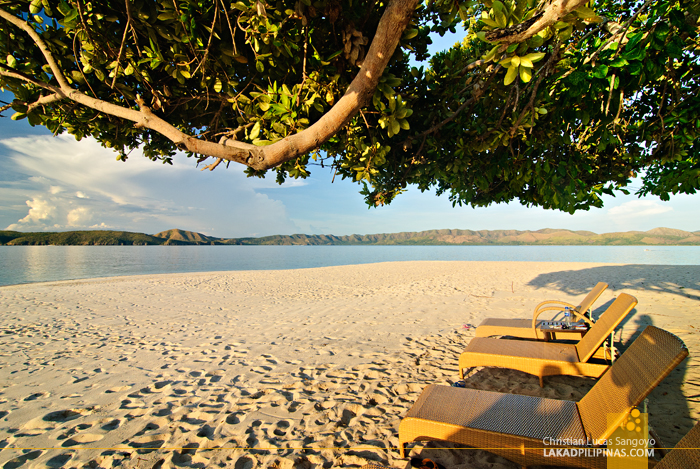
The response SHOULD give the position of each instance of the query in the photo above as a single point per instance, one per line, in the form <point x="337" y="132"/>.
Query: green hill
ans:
<point x="78" y="238"/>
<point x="545" y="237"/>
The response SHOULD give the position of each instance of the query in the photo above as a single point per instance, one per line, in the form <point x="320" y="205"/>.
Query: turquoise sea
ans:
<point x="25" y="264"/>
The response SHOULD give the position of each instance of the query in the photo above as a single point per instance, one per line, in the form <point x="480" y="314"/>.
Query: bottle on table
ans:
<point x="567" y="317"/>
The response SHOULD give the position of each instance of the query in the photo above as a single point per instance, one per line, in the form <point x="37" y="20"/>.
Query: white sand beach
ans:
<point x="307" y="369"/>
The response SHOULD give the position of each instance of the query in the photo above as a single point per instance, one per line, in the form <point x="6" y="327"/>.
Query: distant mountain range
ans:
<point x="657" y="236"/>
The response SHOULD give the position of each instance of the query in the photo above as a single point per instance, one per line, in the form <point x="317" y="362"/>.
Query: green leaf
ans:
<point x="11" y="61"/>
<point x="601" y="71"/>
<point x="534" y="56"/>
<point x="395" y="126"/>
<point x="35" y="7"/>
<point x="18" y="116"/>
<point x="500" y="14"/>
<point x="409" y="34"/>
<point x="585" y="12"/>
<point x="525" y="74"/>
<point x="619" y="62"/>
<point x="491" y="54"/>
<point x="255" y="131"/>
<point x="218" y="86"/>
<point x="510" y="75"/>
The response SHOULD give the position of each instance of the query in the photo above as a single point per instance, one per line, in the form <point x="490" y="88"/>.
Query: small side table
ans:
<point x="550" y="329"/>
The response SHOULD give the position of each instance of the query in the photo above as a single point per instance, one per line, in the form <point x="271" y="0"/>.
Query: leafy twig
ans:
<point x="121" y="47"/>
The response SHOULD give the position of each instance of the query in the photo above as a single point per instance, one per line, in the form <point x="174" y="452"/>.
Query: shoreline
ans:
<point x="36" y="265"/>
<point x="327" y="359"/>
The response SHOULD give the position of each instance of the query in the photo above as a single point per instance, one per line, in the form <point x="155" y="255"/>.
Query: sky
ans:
<point x="52" y="183"/>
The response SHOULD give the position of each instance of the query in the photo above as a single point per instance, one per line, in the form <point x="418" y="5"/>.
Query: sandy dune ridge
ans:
<point x="289" y="369"/>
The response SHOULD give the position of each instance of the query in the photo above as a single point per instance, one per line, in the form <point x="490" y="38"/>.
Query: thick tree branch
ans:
<point x="475" y="97"/>
<point x="553" y="11"/>
<point x="9" y="72"/>
<point x="392" y="24"/>
<point x="52" y="98"/>
<point x="24" y="26"/>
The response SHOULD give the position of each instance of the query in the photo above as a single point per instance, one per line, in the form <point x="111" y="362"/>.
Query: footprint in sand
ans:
<point x="65" y="415"/>
<point x="37" y="395"/>
<point x="215" y="376"/>
<point x="160" y="386"/>
<point x="112" y="425"/>
<point x="82" y="439"/>
<point x="282" y="428"/>
<point x="117" y="389"/>
<point x="20" y="460"/>
<point x="148" y="441"/>
<point x="235" y="418"/>
<point x="207" y="432"/>
<point x="36" y="426"/>
<point x="136" y="413"/>
<point x="132" y="404"/>
<point x="163" y="412"/>
<point x="245" y="462"/>
<point x="195" y="418"/>
<point x="59" y="461"/>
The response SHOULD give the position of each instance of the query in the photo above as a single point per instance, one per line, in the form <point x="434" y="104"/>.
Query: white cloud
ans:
<point x="40" y="210"/>
<point x="87" y="188"/>
<point x="79" y="216"/>
<point x="638" y="209"/>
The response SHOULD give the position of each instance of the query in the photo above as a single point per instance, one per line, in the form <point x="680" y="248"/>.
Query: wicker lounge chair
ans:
<point x="684" y="455"/>
<point x="527" y="328"/>
<point x="515" y="426"/>
<point x="547" y="358"/>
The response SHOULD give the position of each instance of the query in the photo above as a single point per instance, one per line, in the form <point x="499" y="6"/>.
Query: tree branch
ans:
<point x="12" y="73"/>
<point x="552" y="13"/>
<point x="52" y="98"/>
<point x="464" y="105"/>
<point x="391" y="25"/>
<point x="24" y="26"/>
<point x="121" y="47"/>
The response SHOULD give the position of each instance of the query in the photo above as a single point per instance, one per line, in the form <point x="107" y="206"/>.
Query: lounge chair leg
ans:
<point x="402" y="450"/>
<point x="541" y="381"/>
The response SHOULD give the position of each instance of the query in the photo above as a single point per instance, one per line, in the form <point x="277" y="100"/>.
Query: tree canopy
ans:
<point x="550" y="102"/>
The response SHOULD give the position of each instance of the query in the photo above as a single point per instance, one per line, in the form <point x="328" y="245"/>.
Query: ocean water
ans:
<point x="26" y="264"/>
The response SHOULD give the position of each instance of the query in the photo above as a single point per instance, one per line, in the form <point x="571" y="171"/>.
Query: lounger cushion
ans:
<point x="513" y="414"/>
<point x="522" y="349"/>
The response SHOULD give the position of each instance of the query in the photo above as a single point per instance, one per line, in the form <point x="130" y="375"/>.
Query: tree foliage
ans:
<point x="551" y="103"/>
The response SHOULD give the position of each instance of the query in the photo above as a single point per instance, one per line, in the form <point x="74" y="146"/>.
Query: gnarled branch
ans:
<point x="392" y="24"/>
<point x="552" y="12"/>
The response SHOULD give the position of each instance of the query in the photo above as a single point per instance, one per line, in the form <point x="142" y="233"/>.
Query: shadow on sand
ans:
<point x="651" y="278"/>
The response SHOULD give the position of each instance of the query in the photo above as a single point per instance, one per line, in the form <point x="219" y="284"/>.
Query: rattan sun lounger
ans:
<point x="684" y="455"/>
<point x="528" y="328"/>
<point x="547" y="358"/>
<point x="516" y="426"/>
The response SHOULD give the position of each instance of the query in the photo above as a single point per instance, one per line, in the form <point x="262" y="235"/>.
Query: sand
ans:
<point x="290" y="369"/>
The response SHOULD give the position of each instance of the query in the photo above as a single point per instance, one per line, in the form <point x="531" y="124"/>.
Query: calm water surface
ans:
<point x="24" y="264"/>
